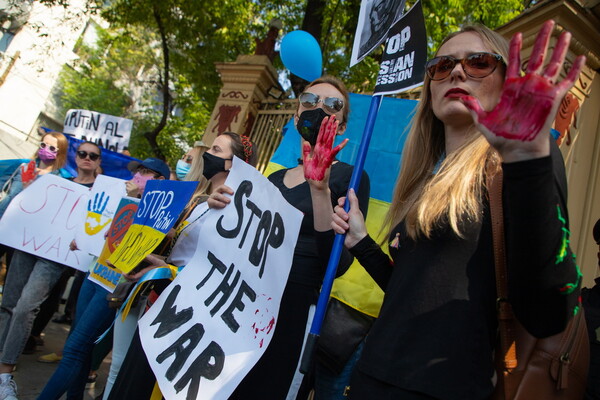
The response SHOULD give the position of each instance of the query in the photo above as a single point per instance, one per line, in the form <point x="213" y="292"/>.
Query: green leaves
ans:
<point x="123" y="73"/>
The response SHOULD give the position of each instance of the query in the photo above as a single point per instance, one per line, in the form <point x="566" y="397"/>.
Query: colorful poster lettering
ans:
<point x="101" y="206"/>
<point x="215" y="320"/>
<point x="43" y="220"/>
<point x="403" y="61"/>
<point x="102" y="273"/>
<point x="107" y="131"/>
<point x="157" y="212"/>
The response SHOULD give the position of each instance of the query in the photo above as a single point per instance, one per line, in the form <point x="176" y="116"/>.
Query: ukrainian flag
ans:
<point x="355" y="287"/>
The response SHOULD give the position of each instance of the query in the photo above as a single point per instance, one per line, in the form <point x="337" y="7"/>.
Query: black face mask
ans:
<point x="213" y="165"/>
<point x="309" y="124"/>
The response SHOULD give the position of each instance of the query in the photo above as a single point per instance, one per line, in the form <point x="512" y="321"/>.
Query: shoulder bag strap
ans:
<point x="505" y="314"/>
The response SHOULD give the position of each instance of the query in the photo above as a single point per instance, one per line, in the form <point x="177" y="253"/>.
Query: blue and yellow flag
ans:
<point x="355" y="287"/>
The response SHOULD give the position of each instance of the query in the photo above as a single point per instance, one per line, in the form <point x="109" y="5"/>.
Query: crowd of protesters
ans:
<point x="435" y="335"/>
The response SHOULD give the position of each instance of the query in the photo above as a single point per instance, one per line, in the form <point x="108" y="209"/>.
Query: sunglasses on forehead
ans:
<point x="476" y="65"/>
<point x="53" y="149"/>
<point x="331" y="104"/>
<point x="83" y="154"/>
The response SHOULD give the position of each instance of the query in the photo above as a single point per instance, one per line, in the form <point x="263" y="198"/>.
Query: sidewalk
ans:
<point x="31" y="375"/>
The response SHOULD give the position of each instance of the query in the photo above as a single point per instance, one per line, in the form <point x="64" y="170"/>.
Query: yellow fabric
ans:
<point x="156" y="393"/>
<point x="272" y="167"/>
<point x="356" y="288"/>
<point x="173" y="269"/>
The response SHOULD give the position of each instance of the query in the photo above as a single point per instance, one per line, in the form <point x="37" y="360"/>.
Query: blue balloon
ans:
<point x="301" y="54"/>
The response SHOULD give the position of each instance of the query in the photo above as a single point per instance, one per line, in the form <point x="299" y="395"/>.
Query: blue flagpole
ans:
<point x="338" y="243"/>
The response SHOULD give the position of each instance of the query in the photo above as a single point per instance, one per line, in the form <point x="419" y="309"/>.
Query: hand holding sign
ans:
<point x="215" y="320"/>
<point x="528" y="103"/>
<point x="317" y="163"/>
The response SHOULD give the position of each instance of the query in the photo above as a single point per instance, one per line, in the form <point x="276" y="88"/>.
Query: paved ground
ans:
<point x="31" y="375"/>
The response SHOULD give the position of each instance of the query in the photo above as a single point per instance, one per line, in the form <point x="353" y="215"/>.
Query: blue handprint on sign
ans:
<point x="95" y="208"/>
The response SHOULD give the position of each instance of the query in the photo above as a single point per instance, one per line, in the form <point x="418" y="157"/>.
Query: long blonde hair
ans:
<point x="431" y="192"/>
<point x="195" y="174"/>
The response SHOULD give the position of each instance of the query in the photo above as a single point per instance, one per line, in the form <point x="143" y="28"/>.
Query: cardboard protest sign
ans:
<point x="107" y="131"/>
<point x="403" y="62"/>
<point x="102" y="273"/>
<point x="215" y="320"/>
<point x="157" y="212"/>
<point x="101" y="206"/>
<point x="374" y="20"/>
<point x="43" y="220"/>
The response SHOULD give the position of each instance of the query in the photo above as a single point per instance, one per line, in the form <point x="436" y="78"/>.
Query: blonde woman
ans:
<point x="435" y="335"/>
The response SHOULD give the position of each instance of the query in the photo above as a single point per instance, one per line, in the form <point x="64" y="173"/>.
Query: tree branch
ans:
<point x="152" y="135"/>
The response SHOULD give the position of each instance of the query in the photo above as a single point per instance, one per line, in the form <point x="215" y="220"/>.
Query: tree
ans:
<point x="185" y="38"/>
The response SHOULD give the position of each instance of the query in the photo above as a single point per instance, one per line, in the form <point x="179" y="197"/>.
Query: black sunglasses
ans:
<point x="51" y="148"/>
<point x="331" y="104"/>
<point x="476" y="65"/>
<point x="83" y="154"/>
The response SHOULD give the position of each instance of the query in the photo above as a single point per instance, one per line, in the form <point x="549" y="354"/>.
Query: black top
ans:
<point x="308" y="267"/>
<point x="88" y="185"/>
<point x="437" y="326"/>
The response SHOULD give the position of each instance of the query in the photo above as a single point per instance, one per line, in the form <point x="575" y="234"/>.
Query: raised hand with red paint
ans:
<point x="317" y="160"/>
<point x="527" y="103"/>
<point x="28" y="172"/>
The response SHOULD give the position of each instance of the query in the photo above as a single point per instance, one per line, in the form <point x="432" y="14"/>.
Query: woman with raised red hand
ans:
<point x="311" y="187"/>
<point x="435" y="335"/>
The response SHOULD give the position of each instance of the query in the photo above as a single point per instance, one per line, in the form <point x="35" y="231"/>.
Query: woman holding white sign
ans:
<point x="29" y="279"/>
<point x="308" y="186"/>
<point x="130" y="374"/>
<point x="478" y="117"/>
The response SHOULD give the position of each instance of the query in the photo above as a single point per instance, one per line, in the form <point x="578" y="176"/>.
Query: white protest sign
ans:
<point x="101" y="207"/>
<point x="215" y="320"/>
<point x="43" y="219"/>
<point x="107" y="131"/>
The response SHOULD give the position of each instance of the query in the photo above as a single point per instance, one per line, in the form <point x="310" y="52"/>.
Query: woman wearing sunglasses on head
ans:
<point x="435" y="335"/>
<point x="311" y="187"/>
<point x="29" y="279"/>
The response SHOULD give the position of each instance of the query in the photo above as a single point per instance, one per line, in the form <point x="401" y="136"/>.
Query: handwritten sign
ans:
<point x="101" y="206"/>
<point x="43" y="220"/>
<point x="158" y="211"/>
<point x="213" y="323"/>
<point x="102" y="273"/>
<point x="107" y="131"/>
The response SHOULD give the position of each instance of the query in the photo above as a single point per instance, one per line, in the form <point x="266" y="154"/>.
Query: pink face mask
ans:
<point x="140" y="180"/>
<point x="46" y="155"/>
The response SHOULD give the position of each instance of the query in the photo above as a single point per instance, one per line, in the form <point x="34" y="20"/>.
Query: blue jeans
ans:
<point x="28" y="283"/>
<point x="329" y="386"/>
<point x="92" y="318"/>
